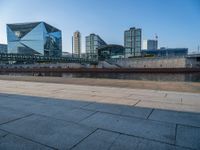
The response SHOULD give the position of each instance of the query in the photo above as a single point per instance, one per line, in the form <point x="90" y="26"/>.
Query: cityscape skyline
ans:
<point x="172" y="23"/>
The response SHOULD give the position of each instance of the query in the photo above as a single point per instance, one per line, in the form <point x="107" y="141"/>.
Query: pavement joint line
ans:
<point x="116" y="114"/>
<point x="16" y="119"/>
<point x="113" y="142"/>
<point x="88" y="116"/>
<point x="120" y="115"/>
<point x="168" y="102"/>
<point x="137" y="102"/>
<point x="6" y="133"/>
<point x="10" y="133"/>
<point x="67" y="121"/>
<point x="90" y="103"/>
<point x="178" y="124"/>
<point x="150" y="113"/>
<point x="83" y="139"/>
<point x="144" y="138"/>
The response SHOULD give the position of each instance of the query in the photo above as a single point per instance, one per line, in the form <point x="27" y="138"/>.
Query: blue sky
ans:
<point x="176" y="22"/>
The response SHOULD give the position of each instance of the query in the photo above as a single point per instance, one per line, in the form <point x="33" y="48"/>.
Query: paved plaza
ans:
<point x="37" y="116"/>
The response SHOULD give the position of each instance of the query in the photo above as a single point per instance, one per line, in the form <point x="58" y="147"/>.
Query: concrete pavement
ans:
<point x="60" y="116"/>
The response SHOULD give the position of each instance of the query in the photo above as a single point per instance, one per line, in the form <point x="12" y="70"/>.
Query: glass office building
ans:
<point x="37" y="38"/>
<point x="111" y="51"/>
<point x="132" y="42"/>
<point x="166" y="52"/>
<point x="150" y="44"/>
<point x="93" y="42"/>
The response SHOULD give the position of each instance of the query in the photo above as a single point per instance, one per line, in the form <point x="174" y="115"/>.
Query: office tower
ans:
<point x="37" y="38"/>
<point x="150" y="45"/>
<point x="77" y="43"/>
<point x="132" y="42"/>
<point x="93" y="42"/>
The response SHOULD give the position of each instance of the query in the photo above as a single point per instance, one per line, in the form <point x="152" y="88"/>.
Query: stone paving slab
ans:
<point x="7" y="115"/>
<point x="72" y="115"/>
<point x="95" y="93"/>
<point x="11" y="142"/>
<point x="59" y="111"/>
<point x="169" y="106"/>
<point x="188" y="136"/>
<point x="120" y="109"/>
<point x="125" y="142"/>
<point x="18" y="104"/>
<point x="187" y="118"/>
<point x="119" y="121"/>
<point x="117" y="101"/>
<point x="154" y="98"/>
<point x="65" y="102"/>
<point x="99" y="140"/>
<point x="54" y="133"/>
<point x="28" y="103"/>
<point x="164" y="132"/>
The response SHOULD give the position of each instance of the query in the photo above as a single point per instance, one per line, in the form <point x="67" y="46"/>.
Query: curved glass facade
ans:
<point x="168" y="52"/>
<point x="111" y="51"/>
<point x="38" y="38"/>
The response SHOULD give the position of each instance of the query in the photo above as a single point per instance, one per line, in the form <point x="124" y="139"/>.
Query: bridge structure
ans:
<point x="44" y="59"/>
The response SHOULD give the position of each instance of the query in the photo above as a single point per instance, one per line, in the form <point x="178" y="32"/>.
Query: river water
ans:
<point x="188" y="77"/>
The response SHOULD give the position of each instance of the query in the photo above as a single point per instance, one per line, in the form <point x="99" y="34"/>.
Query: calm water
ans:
<point x="189" y="77"/>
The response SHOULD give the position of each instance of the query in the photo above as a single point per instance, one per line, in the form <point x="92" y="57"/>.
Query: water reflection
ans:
<point x="189" y="77"/>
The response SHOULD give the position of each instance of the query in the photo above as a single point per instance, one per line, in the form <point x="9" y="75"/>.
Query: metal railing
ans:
<point x="36" y="58"/>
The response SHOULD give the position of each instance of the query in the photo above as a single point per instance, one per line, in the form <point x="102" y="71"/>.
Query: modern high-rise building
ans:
<point x="3" y="48"/>
<point x="77" y="43"/>
<point x="93" y="42"/>
<point x="37" y="38"/>
<point x="132" y="42"/>
<point x="150" y="44"/>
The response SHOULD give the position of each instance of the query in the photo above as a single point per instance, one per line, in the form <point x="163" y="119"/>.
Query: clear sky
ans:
<point x="176" y="22"/>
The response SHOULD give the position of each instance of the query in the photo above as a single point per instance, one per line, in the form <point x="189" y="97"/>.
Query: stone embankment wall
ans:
<point x="59" y="65"/>
<point x="178" y="62"/>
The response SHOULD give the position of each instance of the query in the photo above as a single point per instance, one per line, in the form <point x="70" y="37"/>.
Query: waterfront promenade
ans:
<point x="64" y="115"/>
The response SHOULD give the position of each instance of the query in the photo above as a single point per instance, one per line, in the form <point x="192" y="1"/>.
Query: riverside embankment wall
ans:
<point x="174" y="62"/>
<point x="177" y="62"/>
